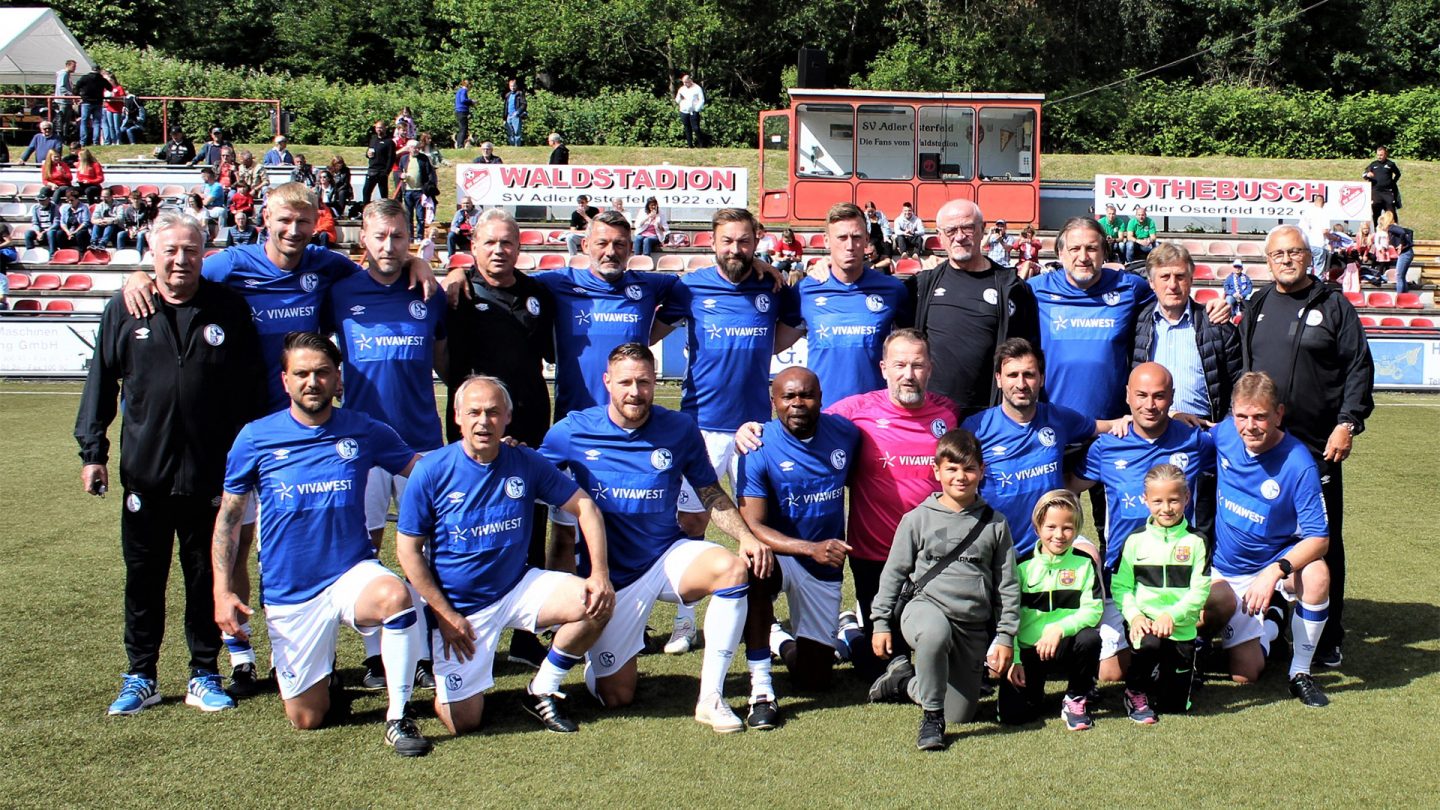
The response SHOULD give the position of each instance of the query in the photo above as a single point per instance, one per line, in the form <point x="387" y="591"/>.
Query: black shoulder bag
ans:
<point x="911" y="589"/>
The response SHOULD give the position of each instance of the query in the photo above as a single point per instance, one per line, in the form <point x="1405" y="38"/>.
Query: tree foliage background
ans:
<point x="740" y="49"/>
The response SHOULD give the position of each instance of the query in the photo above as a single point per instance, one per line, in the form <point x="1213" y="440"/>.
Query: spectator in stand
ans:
<point x="64" y="86"/>
<point x="8" y="254"/>
<point x="212" y="197"/>
<point x="303" y="172"/>
<point x="243" y="232"/>
<point x="56" y="175"/>
<point x="788" y="251"/>
<point x="404" y="125"/>
<point x="618" y="206"/>
<point x="279" y="154"/>
<point x="462" y="226"/>
<point x="89" y="175"/>
<point x="209" y="152"/>
<point x="462" y="114"/>
<point x="1140" y="236"/>
<point x="44" y="222"/>
<point x="195" y="207"/>
<point x="430" y="149"/>
<point x="1315" y="224"/>
<point x="998" y="243"/>
<point x="487" y="154"/>
<point x="131" y="217"/>
<point x="1384" y="177"/>
<point x="885" y="228"/>
<point x="326" y="192"/>
<point x="1365" y="243"/>
<point x="1238" y="287"/>
<point x="253" y="175"/>
<point x="241" y="202"/>
<point x="1114" y="228"/>
<point x="416" y="175"/>
<point x="765" y="244"/>
<point x="691" y="100"/>
<point x="579" y="223"/>
<point x="74" y="156"/>
<point x="178" y="151"/>
<point x="43" y="142"/>
<point x="325" y="234"/>
<point x="559" y="153"/>
<point x="909" y="233"/>
<point x="75" y="221"/>
<point x="114" y="109"/>
<point x="427" y="245"/>
<point x="91" y="89"/>
<point x="228" y="168"/>
<point x="651" y="229"/>
<point x="379" y="156"/>
<point x="1401" y="242"/>
<point x="1027" y="247"/>
<point x="104" y="219"/>
<point x="877" y="233"/>
<point x="877" y="261"/>
<point x="515" y="113"/>
<point x="132" y="124"/>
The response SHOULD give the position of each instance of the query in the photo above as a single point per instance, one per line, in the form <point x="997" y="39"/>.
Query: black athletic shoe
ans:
<point x="1330" y="658"/>
<point x="404" y="736"/>
<point x="243" y="683"/>
<point x="892" y="685"/>
<point x="526" y="649"/>
<point x="424" y="674"/>
<point x="764" y="715"/>
<point x="1304" y="687"/>
<point x="932" y="731"/>
<point x="550" y="711"/>
<point x="374" y="678"/>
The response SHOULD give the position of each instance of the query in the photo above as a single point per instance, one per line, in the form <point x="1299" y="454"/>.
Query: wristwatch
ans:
<point x="1286" y="568"/>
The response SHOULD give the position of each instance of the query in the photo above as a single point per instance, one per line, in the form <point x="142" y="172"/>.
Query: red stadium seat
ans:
<point x="1355" y="299"/>
<point x="1255" y="249"/>
<point x="580" y="261"/>
<point x="27" y="305"/>
<point x="1391" y="320"/>
<point x="1367" y="321"/>
<point x="703" y="239"/>
<point x="59" y="305"/>
<point x="670" y="263"/>
<point x="65" y="256"/>
<point x="1381" y="300"/>
<point x="1047" y="244"/>
<point x="460" y="260"/>
<point x="1408" y="301"/>
<point x="816" y="241"/>
<point x="120" y="190"/>
<point x="1422" y="323"/>
<point x="147" y="189"/>
<point x="641" y="263"/>
<point x="45" y="281"/>
<point x="907" y="267"/>
<point x="550" y="261"/>
<point x="530" y="236"/>
<point x="1204" y="272"/>
<point x="697" y="262"/>
<point x="30" y="191"/>
<point x="96" y="256"/>
<point x="932" y="242"/>
<point x="77" y="282"/>
<point x="18" y="281"/>
<point x="525" y="261"/>
<point x="1226" y="249"/>
<point x="1195" y="246"/>
<point x="9" y="189"/>
<point x="1204" y="295"/>
<point x="172" y="190"/>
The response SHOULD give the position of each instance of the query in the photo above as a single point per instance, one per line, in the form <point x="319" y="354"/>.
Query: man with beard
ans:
<point x="792" y="495"/>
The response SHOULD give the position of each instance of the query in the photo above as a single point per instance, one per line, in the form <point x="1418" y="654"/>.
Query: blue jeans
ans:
<point x="646" y="245"/>
<point x="110" y="126"/>
<point x="416" y="212"/>
<point x="90" y="123"/>
<point x="122" y="237"/>
<point x="1402" y="266"/>
<point x="455" y="243"/>
<point x="102" y="235"/>
<point x="1135" y="250"/>
<point x="514" y="130"/>
<point x="53" y="239"/>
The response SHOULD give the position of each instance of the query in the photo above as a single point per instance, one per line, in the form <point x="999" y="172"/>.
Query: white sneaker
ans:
<point x="682" y="638"/>
<point x="713" y="711"/>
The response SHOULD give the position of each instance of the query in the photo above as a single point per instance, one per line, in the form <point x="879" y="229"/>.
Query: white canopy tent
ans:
<point x="34" y="45"/>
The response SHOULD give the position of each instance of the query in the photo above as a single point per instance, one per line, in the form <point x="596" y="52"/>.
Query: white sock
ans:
<point x="372" y="644"/>
<point x="724" y="624"/>
<point x="778" y="639"/>
<point x="590" y="682"/>
<point x="399" y="651"/>
<point x="240" y="651"/>
<point x="684" y="613"/>
<point x="762" y="686"/>
<point x="1305" y="627"/>
<point x="553" y="669"/>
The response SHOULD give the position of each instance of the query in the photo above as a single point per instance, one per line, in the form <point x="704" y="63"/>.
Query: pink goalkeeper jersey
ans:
<point x="895" y="470"/>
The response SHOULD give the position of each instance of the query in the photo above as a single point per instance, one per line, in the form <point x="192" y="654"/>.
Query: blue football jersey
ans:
<point x="387" y="335"/>
<point x="803" y="483"/>
<point x="730" y="338"/>
<point x="845" y="330"/>
<point x="1121" y="464"/>
<point x="634" y="477"/>
<point x="1023" y="462"/>
<point x="1264" y="504"/>
<point x="281" y="300"/>
<point x="311" y="486"/>
<point x="479" y="518"/>
<point x="1087" y="336"/>
<point x="592" y="317"/>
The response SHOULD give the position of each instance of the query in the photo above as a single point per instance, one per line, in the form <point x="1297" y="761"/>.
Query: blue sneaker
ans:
<point x="207" y="693"/>
<point x="136" y="693"/>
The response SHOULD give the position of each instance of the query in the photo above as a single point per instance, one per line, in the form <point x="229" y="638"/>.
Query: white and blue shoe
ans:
<point x="136" y="693"/>
<point x="207" y="693"/>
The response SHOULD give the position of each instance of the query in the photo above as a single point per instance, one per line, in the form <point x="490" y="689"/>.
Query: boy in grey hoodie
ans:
<point x="949" y="623"/>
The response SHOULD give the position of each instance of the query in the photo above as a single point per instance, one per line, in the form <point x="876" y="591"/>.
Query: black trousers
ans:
<point x="1332" y="487"/>
<point x="1176" y="659"/>
<point x="147" y="542"/>
<point x="462" y="129"/>
<point x="1077" y="660"/>
<point x="1380" y="202"/>
<point x="372" y="181"/>
<point x="691" y="122"/>
<point x="866" y="574"/>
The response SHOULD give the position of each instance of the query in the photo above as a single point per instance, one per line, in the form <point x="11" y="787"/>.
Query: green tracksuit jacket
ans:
<point x="1063" y="590"/>
<point x="1163" y="571"/>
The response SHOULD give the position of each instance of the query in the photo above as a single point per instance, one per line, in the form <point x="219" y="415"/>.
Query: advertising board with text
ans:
<point x="1236" y="197"/>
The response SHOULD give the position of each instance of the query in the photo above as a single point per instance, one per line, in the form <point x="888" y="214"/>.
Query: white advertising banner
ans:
<point x="676" y="187"/>
<point x="1229" y="196"/>
<point x="62" y="347"/>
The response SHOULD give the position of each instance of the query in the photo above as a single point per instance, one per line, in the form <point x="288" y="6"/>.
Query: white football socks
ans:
<point x="724" y="624"/>
<point x="1305" y="628"/>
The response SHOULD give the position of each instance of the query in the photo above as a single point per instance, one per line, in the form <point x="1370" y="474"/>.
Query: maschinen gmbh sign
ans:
<point x="1229" y="196"/>
<point x="532" y="184"/>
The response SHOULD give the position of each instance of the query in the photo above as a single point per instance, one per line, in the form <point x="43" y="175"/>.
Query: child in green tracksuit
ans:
<point x="1061" y="602"/>
<point x="1161" y="586"/>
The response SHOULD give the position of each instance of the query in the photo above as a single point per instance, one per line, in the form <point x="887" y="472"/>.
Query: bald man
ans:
<point x="792" y="496"/>
<point x="967" y="305"/>
<point x="1120" y="463"/>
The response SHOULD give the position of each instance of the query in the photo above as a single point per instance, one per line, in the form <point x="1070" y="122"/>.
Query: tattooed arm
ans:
<point x="757" y="555"/>
<point x="222" y="555"/>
